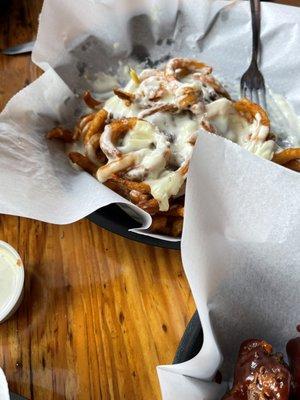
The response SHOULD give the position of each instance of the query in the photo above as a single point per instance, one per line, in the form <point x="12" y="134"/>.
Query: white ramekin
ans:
<point x="11" y="281"/>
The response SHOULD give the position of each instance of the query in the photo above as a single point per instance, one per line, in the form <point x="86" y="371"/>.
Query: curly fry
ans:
<point x="183" y="170"/>
<point x="188" y="98"/>
<point x="82" y="125"/>
<point x="97" y="124"/>
<point x="60" y="133"/>
<point x="116" y="187"/>
<point x="158" y="108"/>
<point x="179" y="67"/>
<point x="113" y="167"/>
<point x="176" y="210"/>
<point x="117" y="184"/>
<point x="177" y="225"/>
<point x="207" y="126"/>
<point x="192" y="140"/>
<point x="137" y="197"/>
<point x="159" y="224"/>
<point x="114" y="132"/>
<point x="248" y="110"/>
<point x="90" y="101"/>
<point x="147" y="73"/>
<point x="294" y="165"/>
<point x="165" y="225"/>
<point x="121" y="126"/>
<point x="286" y="155"/>
<point x="211" y="81"/>
<point x="129" y="97"/>
<point x="150" y="206"/>
<point x="141" y="187"/>
<point x="94" y="152"/>
<point x="83" y="162"/>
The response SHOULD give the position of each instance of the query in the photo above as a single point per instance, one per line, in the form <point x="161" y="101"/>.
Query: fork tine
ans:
<point x="262" y="98"/>
<point x="255" y="98"/>
<point x="245" y="92"/>
<point x="242" y="89"/>
<point x="251" y="95"/>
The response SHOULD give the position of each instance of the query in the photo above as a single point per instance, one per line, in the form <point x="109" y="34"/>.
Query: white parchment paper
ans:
<point x="241" y="256"/>
<point x="240" y="243"/>
<point x="240" y="247"/>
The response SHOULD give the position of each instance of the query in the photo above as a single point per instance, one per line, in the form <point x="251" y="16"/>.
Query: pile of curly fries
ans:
<point x="140" y="141"/>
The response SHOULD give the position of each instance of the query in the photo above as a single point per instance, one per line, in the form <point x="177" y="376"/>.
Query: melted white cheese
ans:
<point x="148" y="149"/>
<point x="118" y="108"/>
<point x="142" y="136"/>
<point x="179" y="130"/>
<point x="262" y="149"/>
<point x="258" y="131"/>
<point x="149" y="89"/>
<point x="208" y="92"/>
<point x="148" y="146"/>
<point x="166" y="186"/>
<point x="233" y="126"/>
<point x="154" y="145"/>
<point x="77" y="147"/>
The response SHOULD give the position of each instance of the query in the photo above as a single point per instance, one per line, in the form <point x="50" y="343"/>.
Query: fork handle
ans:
<point x="255" y="18"/>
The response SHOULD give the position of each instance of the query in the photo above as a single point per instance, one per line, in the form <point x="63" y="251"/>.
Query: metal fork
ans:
<point x="252" y="82"/>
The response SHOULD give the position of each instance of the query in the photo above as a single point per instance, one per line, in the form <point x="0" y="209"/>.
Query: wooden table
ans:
<point x="99" y="312"/>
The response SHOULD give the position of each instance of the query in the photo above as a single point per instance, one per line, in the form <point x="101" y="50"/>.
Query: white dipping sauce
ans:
<point x="11" y="280"/>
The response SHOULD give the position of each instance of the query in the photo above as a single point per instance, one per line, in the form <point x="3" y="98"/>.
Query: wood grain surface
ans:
<point x="99" y="312"/>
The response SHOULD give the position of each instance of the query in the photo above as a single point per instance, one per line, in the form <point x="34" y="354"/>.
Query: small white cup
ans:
<point x="4" y="393"/>
<point x="11" y="281"/>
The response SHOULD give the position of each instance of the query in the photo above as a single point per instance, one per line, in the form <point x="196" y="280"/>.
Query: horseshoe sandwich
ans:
<point x="139" y="142"/>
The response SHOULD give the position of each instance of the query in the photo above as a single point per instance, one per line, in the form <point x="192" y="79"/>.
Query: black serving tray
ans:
<point x="14" y="396"/>
<point x="191" y="341"/>
<point x="114" y="219"/>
